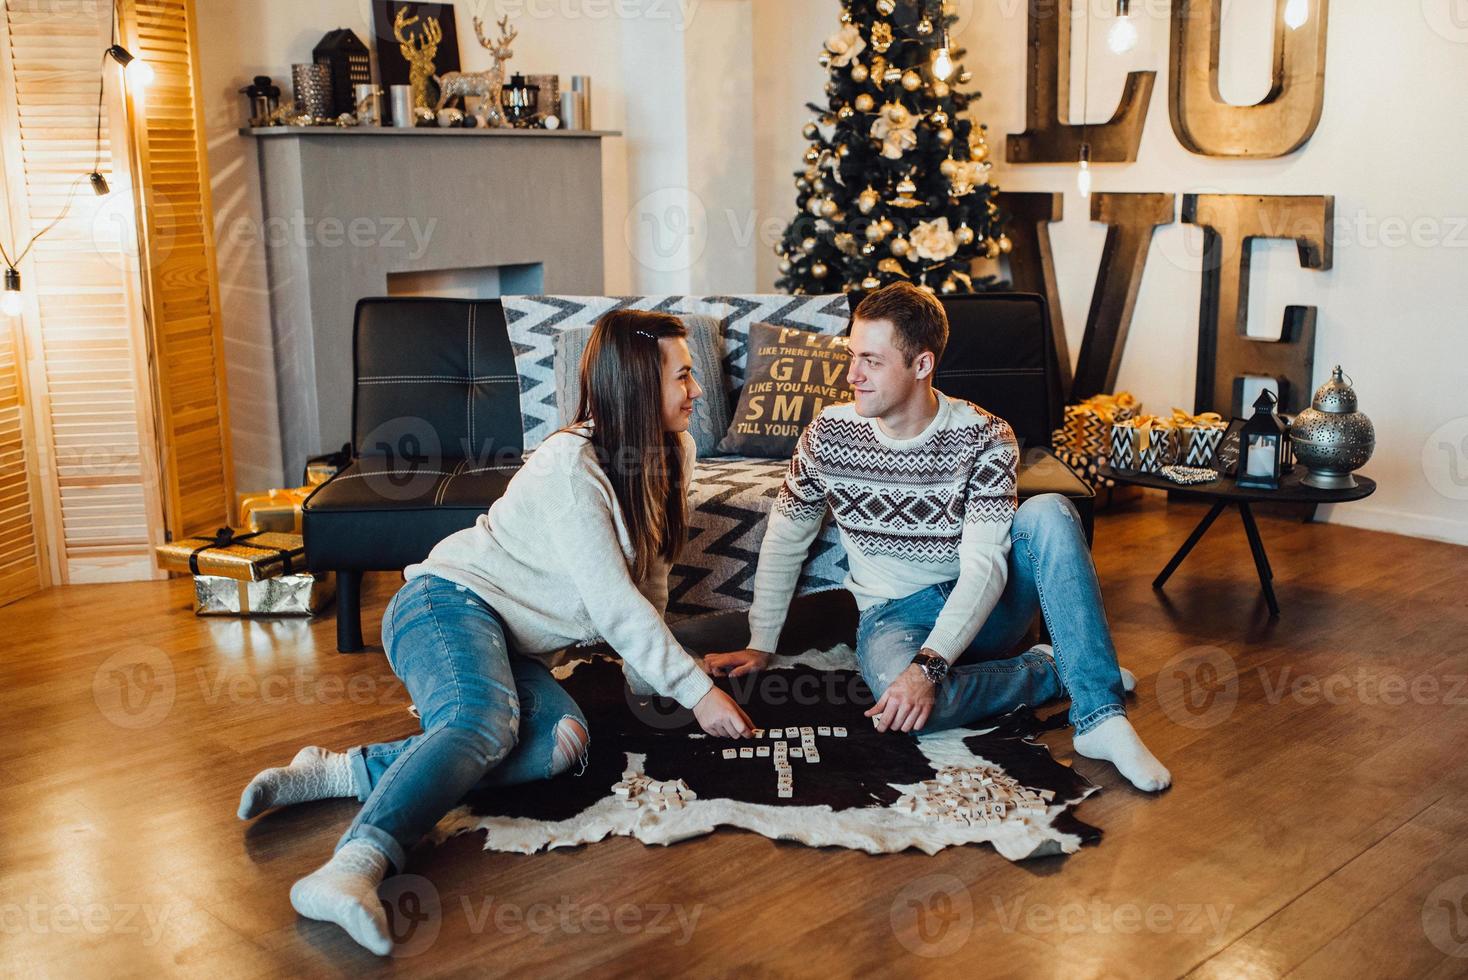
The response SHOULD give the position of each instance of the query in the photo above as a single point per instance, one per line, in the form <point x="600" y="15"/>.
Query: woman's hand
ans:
<point x="720" y="716"/>
<point x="736" y="664"/>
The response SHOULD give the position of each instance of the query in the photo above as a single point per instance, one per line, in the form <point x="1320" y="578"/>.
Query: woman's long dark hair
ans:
<point x="621" y="394"/>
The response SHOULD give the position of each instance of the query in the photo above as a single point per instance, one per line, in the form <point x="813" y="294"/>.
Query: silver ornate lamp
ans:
<point x="1332" y="438"/>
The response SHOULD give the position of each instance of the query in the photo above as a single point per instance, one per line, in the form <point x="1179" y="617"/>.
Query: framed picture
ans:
<point x="1225" y="460"/>
<point x="392" y="67"/>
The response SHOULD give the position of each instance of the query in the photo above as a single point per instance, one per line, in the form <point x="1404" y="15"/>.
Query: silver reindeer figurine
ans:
<point x="483" y="84"/>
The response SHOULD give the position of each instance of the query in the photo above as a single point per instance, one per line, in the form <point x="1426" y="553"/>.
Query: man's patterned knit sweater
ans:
<point x="912" y="513"/>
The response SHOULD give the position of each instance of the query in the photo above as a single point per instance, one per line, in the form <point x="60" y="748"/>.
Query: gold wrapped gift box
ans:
<point x="1143" y="444"/>
<point x="243" y="556"/>
<point x="285" y="595"/>
<point x="1198" y="436"/>
<point x="274" y="510"/>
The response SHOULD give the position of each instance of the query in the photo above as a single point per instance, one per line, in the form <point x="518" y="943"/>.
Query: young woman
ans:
<point x="578" y="548"/>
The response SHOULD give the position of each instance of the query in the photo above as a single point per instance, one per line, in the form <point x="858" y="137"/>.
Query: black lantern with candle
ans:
<point x="1262" y="445"/>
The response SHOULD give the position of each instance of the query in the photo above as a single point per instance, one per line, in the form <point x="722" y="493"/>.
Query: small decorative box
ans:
<point x="1143" y="445"/>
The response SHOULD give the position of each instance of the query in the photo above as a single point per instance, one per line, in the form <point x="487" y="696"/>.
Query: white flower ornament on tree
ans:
<point x="845" y="45"/>
<point x="896" y="129"/>
<point x="933" y="240"/>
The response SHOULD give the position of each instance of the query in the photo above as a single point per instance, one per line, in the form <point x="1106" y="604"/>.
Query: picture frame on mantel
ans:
<point x="392" y="67"/>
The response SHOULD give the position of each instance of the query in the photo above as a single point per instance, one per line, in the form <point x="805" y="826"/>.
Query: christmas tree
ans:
<point x="896" y="183"/>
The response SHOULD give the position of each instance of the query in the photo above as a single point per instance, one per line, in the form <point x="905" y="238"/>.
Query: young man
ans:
<point x="946" y="570"/>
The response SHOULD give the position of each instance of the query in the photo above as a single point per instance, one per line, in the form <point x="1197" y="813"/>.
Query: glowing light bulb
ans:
<point x="139" y="72"/>
<point x="1083" y="175"/>
<point x="943" y="60"/>
<point x="11" y="300"/>
<point x="1297" y="12"/>
<point x="1123" y="35"/>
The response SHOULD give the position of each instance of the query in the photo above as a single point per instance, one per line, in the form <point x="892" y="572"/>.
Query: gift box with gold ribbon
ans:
<point x="274" y="510"/>
<point x="1198" y="436"/>
<point x="1083" y="442"/>
<point x="244" y="556"/>
<point x="1143" y="444"/>
<point x="303" y="594"/>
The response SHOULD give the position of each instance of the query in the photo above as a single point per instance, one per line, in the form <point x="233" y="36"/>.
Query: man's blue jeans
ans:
<point x="1050" y="572"/>
<point x="489" y="716"/>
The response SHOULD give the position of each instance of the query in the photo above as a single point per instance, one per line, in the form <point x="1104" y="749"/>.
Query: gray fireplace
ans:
<point x="351" y="213"/>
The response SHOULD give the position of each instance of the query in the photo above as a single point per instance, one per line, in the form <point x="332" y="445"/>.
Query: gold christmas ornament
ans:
<point x="801" y="184"/>
<point x="964" y="234"/>
<point x="991" y="248"/>
<point x="892" y="75"/>
<point x="874" y="232"/>
<point x="808" y="244"/>
<point x="948" y="167"/>
<point x="845" y="243"/>
<point x="1005" y="245"/>
<point x="925" y="27"/>
<point x="809" y="131"/>
<point x="785" y="266"/>
<point x="828" y="208"/>
<point x="885" y="7"/>
<point x="938" y="118"/>
<point x="859" y="73"/>
<point x="814" y="206"/>
<point x="823" y="59"/>
<point x="845" y="16"/>
<point x="887" y="226"/>
<point x="882" y="32"/>
<point x="899" y="247"/>
<point x="892" y="266"/>
<point x="867" y="200"/>
<point x="843" y="150"/>
<point x="905" y="191"/>
<point x="864" y="103"/>
<point x="945" y="136"/>
<point x="979" y="153"/>
<point x="940" y="90"/>
<point x="964" y="77"/>
<point x="812" y="154"/>
<point x="911" y="80"/>
<point x="868" y="248"/>
<point x="818" y="185"/>
<point x="845" y="112"/>
<point x="818" y="270"/>
<point x="870" y="283"/>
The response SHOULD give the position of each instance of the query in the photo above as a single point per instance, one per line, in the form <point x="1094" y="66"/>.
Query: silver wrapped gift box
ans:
<point x="284" y="595"/>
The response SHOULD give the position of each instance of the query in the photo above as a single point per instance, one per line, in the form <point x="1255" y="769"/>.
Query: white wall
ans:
<point x="712" y="96"/>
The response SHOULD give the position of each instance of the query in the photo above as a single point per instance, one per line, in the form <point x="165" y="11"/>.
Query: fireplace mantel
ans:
<point x="360" y="211"/>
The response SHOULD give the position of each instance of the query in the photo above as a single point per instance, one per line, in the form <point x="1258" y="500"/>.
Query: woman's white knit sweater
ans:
<point x="553" y="558"/>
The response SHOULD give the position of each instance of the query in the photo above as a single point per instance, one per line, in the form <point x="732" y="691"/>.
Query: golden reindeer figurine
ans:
<point x="418" y="50"/>
<point x="486" y="85"/>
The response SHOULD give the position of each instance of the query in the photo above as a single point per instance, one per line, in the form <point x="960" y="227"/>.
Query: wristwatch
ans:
<point x="935" y="669"/>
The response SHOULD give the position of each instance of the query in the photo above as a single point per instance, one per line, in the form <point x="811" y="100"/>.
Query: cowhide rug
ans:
<point x="857" y="796"/>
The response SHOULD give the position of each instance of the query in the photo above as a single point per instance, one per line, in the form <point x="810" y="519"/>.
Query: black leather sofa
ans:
<point x="436" y="433"/>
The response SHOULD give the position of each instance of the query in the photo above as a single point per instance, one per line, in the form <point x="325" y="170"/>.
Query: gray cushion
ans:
<point x="705" y="343"/>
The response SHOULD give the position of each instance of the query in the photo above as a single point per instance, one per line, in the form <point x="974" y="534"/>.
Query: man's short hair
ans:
<point x="917" y="318"/>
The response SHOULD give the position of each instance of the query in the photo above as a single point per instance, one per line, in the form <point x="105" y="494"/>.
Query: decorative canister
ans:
<point x="1332" y="438"/>
<point x="313" y="90"/>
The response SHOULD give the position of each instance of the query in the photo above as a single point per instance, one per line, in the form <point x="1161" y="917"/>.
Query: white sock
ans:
<point x="314" y="774"/>
<point x="1115" y="741"/>
<point x="344" y="891"/>
<point x="1128" y="679"/>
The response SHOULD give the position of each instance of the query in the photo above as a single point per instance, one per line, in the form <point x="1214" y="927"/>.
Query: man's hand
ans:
<point x="906" y="703"/>
<point x="720" y="716"/>
<point x="736" y="664"/>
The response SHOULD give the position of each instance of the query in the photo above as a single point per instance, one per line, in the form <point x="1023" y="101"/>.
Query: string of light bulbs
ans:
<point x="134" y="70"/>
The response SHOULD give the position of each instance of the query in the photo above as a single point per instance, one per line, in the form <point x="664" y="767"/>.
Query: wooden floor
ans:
<point x="1316" y="825"/>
